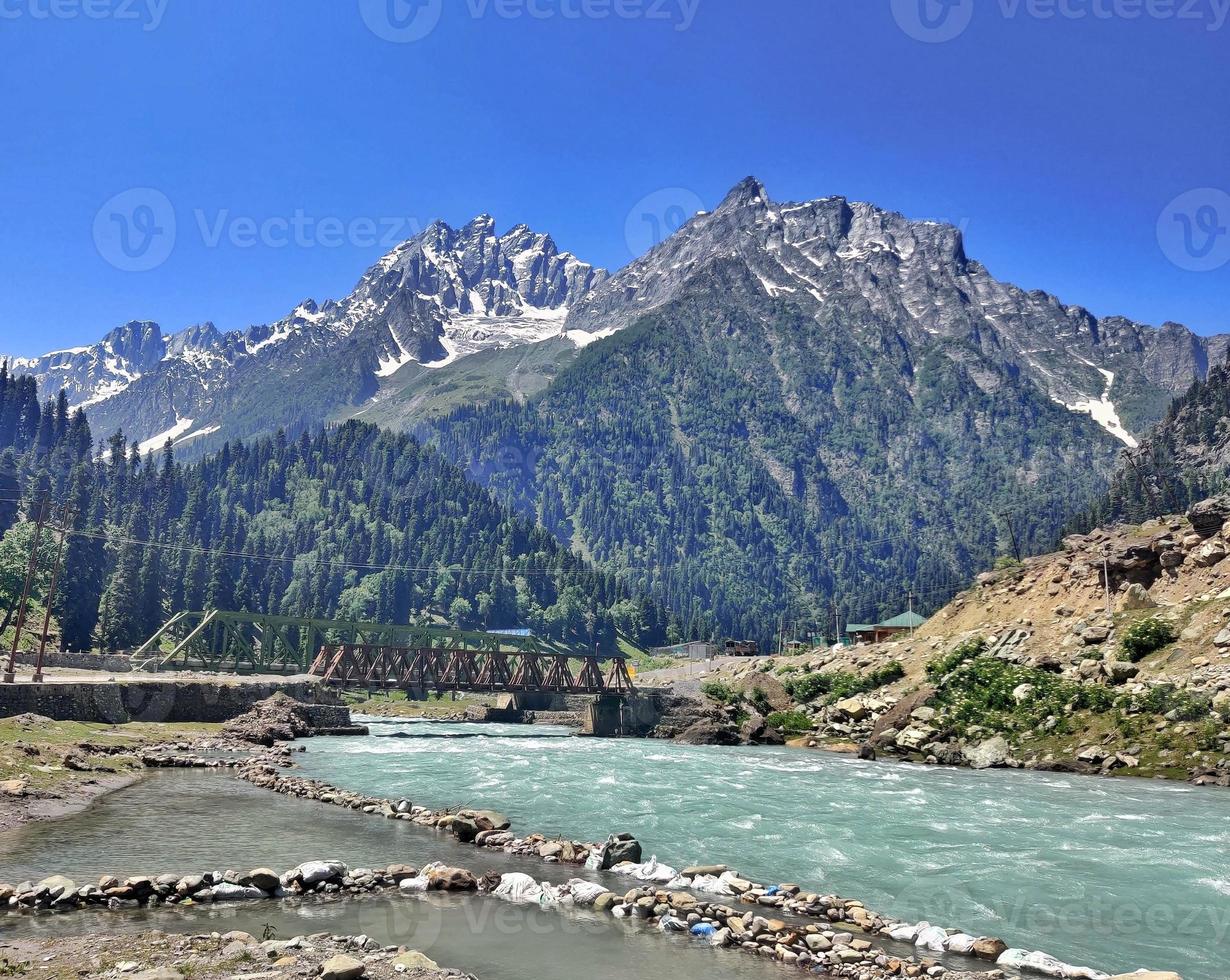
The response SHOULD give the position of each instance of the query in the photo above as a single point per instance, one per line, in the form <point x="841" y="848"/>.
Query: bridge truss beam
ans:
<point x="458" y="669"/>
<point x="250" y="643"/>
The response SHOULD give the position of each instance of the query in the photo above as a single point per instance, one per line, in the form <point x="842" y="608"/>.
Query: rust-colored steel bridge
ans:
<point x="457" y="669"/>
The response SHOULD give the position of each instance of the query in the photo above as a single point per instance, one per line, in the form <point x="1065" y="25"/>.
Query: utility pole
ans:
<point x="66" y="515"/>
<point x="10" y="675"/>
<point x="1106" y="577"/>
<point x="911" y="602"/>
<point x="1016" y="548"/>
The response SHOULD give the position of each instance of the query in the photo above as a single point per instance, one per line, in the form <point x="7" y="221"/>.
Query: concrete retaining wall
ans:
<point x="123" y="701"/>
<point x="112" y="663"/>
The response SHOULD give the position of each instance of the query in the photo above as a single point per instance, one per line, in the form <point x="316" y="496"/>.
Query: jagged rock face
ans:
<point x="912" y="285"/>
<point x="903" y="287"/>
<point x="443" y="294"/>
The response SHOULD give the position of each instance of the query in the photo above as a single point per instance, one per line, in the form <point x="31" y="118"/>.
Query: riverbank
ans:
<point x="158" y="956"/>
<point x="842" y="934"/>
<point x="49" y="769"/>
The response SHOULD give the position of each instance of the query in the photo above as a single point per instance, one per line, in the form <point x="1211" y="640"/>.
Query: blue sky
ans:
<point x="1061" y="143"/>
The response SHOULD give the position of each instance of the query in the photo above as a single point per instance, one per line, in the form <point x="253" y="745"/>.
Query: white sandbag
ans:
<point x="1012" y="957"/>
<point x="409" y="885"/>
<point x="1047" y="965"/>
<point x="932" y="938"/>
<point x="668" y="923"/>
<point x="1086" y="973"/>
<point x="679" y="884"/>
<point x="650" y="870"/>
<point x="550" y="896"/>
<point x="620" y="912"/>
<point x="960" y="943"/>
<point x="585" y="892"/>
<point x="712" y="885"/>
<point x="906" y="933"/>
<point x="518" y="887"/>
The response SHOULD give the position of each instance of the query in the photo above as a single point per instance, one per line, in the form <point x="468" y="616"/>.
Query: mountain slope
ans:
<point x="1184" y="459"/>
<point x="353" y="523"/>
<point x="442" y="295"/>
<point x="752" y="460"/>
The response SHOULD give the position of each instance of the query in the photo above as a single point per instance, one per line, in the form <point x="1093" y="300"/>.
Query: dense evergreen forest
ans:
<point x="352" y="522"/>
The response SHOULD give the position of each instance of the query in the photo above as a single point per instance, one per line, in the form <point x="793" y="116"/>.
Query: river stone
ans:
<point x="342" y="967"/>
<point x="158" y="973"/>
<point x="452" y="879"/>
<point x="55" y="887"/>
<point x="412" y="959"/>
<point x="263" y="878"/>
<point x="189" y="884"/>
<point x="226" y="892"/>
<point x="617" y="851"/>
<point x="989" y="948"/>
<point x="314" y="872"/>
<point x="464" y="829"/>
<point x="491" y="820"/>
<point x="989" y="754"/>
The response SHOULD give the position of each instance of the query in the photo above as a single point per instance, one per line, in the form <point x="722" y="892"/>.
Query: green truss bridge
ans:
<point x="374" y="655"/>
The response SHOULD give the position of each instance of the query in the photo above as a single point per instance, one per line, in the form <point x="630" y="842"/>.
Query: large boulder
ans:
<point x="1208" y="516"/>
<point x="619" y="849"/>
<point x="992" y="753"/>
<point x="342" y="967"/>
<point x="451" y="880"/>
<point x="1136" y="596"/>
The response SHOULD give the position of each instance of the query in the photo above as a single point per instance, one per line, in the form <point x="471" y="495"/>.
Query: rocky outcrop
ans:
<point x="282" y="719"/>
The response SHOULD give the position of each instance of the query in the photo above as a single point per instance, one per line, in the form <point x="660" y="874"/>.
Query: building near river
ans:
<point x="879" y="632"/>
<point x="695" y="650"/>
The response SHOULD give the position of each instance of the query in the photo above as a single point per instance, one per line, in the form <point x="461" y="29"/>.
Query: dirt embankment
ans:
<point x="1048" y="679"/>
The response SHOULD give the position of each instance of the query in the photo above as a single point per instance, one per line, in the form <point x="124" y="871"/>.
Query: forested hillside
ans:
<point x="352" y="522"/>
<point x="748" y="458"/>
<point x="1186" y="458"/>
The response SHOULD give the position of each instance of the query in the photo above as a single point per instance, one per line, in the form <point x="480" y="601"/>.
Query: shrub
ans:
<point x="790" y="722"/>
<point x="1169" y="700"/>
<point x="980" y="693"/>
<point x="760" y="701"/>
<point x="721" y="693"/>
<point x="1145" y="636"/>
<point x="962" y="653"/>
<point x="838" y="684"/>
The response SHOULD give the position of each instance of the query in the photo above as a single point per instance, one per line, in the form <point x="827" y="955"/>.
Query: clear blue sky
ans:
<point x="1058" y="142"/>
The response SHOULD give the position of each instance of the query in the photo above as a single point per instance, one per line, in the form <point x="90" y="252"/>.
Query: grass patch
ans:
<point x="790" y="722"/>
<point x="962" y="653"/>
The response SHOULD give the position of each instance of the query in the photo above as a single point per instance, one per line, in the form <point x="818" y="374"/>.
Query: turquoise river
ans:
<point x="1118" y="874"/>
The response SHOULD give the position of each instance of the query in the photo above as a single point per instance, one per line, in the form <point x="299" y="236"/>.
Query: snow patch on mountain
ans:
<point x="180" y="427"/>
<point x="1102" y="410"/>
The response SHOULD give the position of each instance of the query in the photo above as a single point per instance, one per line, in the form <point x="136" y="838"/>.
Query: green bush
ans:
<point x="962" y="653"/>
<point x="1167" y="699"/>
<point x="721" y="693"/>
<point x="760" y="701"/>
<point x="838" y="684"/>
<point x="980" y="693"/>
<point x="1144" y="637"/>
<point x="790" y="722"/>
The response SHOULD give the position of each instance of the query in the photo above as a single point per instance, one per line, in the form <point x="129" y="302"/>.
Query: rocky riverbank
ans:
<point x="157" y="956"/>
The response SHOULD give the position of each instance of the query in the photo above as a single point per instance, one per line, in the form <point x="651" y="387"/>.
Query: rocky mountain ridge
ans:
<point x="441" y="295"/>
<point x="449" y="293"/>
